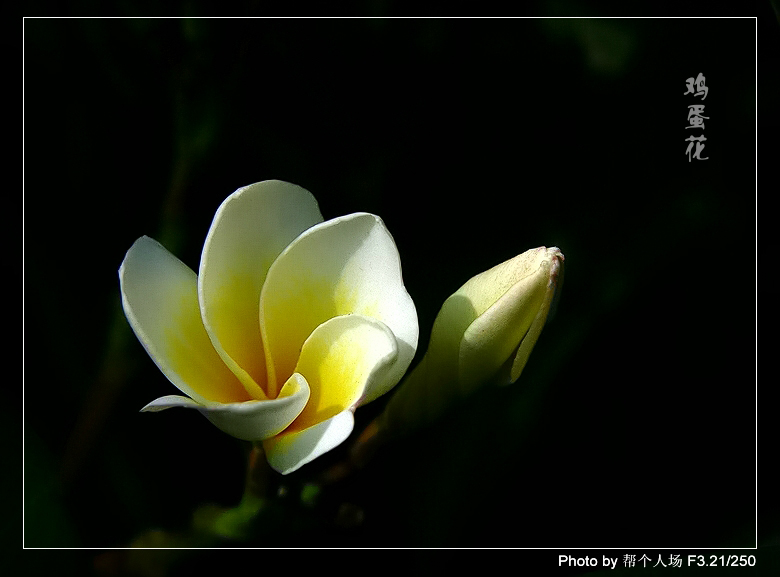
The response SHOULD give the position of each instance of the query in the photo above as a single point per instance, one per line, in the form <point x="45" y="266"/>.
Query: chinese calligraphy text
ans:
<point x="696" y="117"/>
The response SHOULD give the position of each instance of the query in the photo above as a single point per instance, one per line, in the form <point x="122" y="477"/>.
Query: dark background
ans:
<point x="633" y="424"/>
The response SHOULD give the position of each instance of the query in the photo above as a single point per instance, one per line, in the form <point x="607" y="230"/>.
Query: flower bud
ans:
<point x="483" y="334"/>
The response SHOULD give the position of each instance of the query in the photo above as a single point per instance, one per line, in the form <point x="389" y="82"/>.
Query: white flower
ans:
<point x="289" y="325"/>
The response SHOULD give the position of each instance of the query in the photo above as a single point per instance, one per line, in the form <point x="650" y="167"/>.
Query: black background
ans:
<point x="633" y="424"/>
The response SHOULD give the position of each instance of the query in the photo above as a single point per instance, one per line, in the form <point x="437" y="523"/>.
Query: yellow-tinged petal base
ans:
<point x="342" y="359"/>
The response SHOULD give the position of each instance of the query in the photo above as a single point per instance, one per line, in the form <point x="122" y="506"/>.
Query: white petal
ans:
<point x="251" y="420"/>
<point x="159" y="297"/>
<point x="345" y="265"/>
<point x="250" y="229"/>
<point x="290" y="451"/>
<point x="170" y="401"/>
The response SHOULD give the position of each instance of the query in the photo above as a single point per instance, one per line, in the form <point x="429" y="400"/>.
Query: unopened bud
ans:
<point x="483" y="334"/>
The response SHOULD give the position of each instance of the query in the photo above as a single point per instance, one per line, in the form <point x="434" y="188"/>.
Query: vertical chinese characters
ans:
<point x="696" y="117"/>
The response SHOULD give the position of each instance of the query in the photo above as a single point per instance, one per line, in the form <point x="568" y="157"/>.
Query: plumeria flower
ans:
<point x="483" y="334"/>
<point x="290" y="324"/>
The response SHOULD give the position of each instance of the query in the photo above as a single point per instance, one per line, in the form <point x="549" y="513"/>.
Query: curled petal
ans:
<point x="343" y="360"/>
<point x="251" y="420"/>
<point x="170" y="401"/>
<point x="343" y="266"/>
<point x="250" y="229"/>
<point x="160" y="300"/>
<point x="290" y="451"/>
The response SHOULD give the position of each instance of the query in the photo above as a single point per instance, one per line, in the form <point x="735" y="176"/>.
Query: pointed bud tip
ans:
<point x="556" y="261"/>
